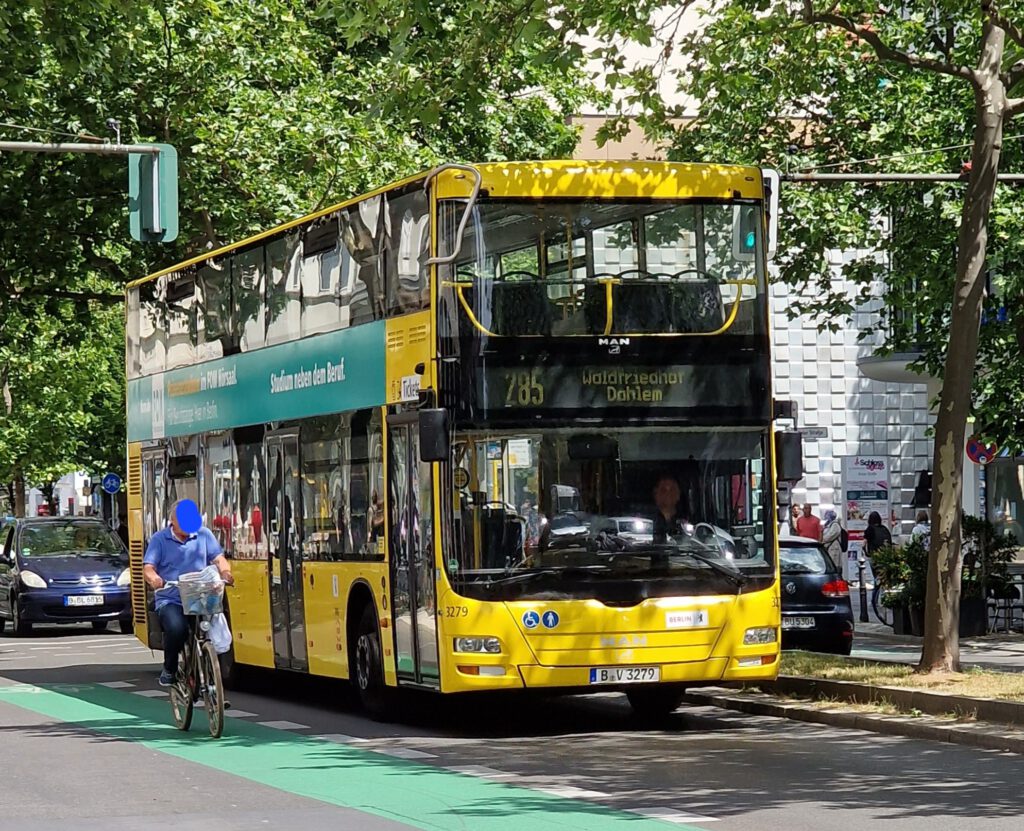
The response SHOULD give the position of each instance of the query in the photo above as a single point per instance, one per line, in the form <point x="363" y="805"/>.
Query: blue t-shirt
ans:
<point x="171" y="558"/>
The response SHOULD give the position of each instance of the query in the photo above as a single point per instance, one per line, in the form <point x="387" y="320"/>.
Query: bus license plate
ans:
<point x="83" y="600"/>
<point x="624" y="675"/>
<point x="798" y="623"/>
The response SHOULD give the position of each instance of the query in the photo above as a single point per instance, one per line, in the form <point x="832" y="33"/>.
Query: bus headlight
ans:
<point x="486" y="645"/>
<point x="124" y="578"/>
<point x="761" y="634"/>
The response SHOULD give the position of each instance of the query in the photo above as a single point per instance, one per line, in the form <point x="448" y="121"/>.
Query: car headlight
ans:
<point x="486" y="645"/>
<point x="761" y="634"/>
<point x="124" y="578"/>
<point x="32" y="580"/>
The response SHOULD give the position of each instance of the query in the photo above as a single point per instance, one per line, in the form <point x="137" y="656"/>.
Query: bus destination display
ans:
<point x="578" y="387"/>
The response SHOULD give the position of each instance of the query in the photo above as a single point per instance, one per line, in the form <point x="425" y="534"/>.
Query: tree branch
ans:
<point x="1014" y="106"/>
<point x="882" y="49"/>
<point x="1013" y="31"/>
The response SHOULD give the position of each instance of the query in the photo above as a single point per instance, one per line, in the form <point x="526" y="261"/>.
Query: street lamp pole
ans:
<point x="863" y="588"/>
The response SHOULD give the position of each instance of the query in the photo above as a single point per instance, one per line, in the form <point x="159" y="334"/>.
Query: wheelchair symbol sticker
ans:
<point x="531" y="619"/>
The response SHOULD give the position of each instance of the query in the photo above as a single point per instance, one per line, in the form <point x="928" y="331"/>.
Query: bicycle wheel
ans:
<point x="213" y="689"/>
<point x="182" y="691"/>
<point x="882" y="612"/>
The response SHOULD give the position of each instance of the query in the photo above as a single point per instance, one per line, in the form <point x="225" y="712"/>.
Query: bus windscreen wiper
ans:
<point x="737" y="577"/>
<point x="548" y="571"/>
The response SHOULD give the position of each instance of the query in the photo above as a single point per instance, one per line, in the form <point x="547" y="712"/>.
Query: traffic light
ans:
<point x="745" y="232"/>
<point x="153" y="195"/>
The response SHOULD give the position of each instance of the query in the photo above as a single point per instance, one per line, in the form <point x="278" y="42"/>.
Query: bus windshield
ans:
<point x="600" y="267"/>
<point x="605" y="513"/>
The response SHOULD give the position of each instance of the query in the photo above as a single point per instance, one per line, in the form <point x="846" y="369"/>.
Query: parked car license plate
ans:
<point x="624" y="675"/>
<point x="797" y="623"/>
<point x="83" y="600"/>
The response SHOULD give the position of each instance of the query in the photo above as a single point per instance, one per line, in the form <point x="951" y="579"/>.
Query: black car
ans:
<point x="816" y="610"/>
<point x="63" y="570"/>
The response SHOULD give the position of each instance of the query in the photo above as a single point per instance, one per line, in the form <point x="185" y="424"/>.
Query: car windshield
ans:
<point x="804" y="559"/>
<point x="77" y="537"/>
<point x="557" y="512"/>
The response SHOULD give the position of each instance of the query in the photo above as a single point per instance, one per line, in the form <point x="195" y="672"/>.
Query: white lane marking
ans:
<point x="239" y="714"/>
<point x="284" y="725"/>
<point x="483" y="772"/>
<point x="55" y="646"/>
<point x="670" y="815"/>
<point x="340" y="738"/>
<point x="151" y="693"/>
<point x="570" y="792"/>
<point x="115" y="685"/>
<point x="403" y="752"/>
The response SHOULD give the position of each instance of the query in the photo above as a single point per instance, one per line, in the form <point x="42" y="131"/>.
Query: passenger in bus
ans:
<point x="670" y="519"/>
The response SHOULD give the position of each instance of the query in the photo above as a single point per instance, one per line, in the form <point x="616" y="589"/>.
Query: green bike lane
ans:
<point x="400" y="793"/>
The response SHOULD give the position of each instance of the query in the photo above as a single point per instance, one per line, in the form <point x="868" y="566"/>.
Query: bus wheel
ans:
<point x="368" y="667"/>
<point x="655" y="703"/>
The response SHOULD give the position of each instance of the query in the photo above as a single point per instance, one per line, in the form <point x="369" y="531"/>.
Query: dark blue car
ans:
<point x="63" y="570"/>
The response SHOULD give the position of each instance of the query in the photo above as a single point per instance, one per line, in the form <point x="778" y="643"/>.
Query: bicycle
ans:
<point x="882" y="612"/>
<point x="199" y="673"/>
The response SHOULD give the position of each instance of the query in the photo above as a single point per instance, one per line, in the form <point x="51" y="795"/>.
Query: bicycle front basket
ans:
<point x="201" y="597"/>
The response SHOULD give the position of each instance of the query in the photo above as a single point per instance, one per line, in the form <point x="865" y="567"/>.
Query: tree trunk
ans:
<point x="19" y="495"/>
<point x="941" y="652"/>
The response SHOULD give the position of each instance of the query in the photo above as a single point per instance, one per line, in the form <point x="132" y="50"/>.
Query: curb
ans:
<point x="999" y="711"/>
<point x="984" y="736"/>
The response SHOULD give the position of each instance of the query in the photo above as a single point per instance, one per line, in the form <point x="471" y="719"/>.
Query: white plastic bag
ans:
<point x="220" y="634"/>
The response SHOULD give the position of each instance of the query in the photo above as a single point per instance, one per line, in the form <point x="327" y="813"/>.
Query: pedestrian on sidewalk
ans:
<point x="808" y="525"/>
<point x="922" y="529"/>
<point x="834" y="538"/>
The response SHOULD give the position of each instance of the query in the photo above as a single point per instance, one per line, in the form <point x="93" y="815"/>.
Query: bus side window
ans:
<point x="362" y="232"/>
<point x="248" y="275"/>
<point x="407" y="245"/>
<point x="284" y="307"/>
<point x="152" y="328"/>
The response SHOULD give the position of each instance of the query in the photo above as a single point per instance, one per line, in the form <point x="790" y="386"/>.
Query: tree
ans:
<point x="273" y="117"/>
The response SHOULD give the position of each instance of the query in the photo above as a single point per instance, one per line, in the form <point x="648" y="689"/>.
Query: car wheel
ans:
<point x="99" y="626"/>
<point x="3" y="624"/>
<point x="845" y="649"/>
<point x="127" y="626"/>
<point x="368" y="667"/>
<point x="19" y="628"/>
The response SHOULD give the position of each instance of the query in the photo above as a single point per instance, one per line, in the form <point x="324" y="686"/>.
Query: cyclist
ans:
<point x="171" y="553"/>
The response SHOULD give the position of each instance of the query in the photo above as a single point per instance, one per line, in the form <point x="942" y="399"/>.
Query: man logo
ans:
<point x="623" y="641"/>
<point x="614" y="344"/>
<point x="790" y="588"/>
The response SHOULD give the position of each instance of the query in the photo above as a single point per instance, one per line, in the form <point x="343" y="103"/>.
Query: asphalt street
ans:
<point x="89" y="745"/>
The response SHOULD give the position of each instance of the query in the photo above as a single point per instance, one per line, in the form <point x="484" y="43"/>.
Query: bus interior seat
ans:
<point x="595" y="308"/>
<point x="502" y="536"/>
<point x="697" y="305"/>
<point x="520" y="309"/>
<point x="641" y="307"/>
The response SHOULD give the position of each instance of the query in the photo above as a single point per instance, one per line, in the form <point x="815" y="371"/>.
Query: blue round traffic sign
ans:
<point x="549" y="619"/>
<point x="531" y="619"/>
<point x="111" y="483"/>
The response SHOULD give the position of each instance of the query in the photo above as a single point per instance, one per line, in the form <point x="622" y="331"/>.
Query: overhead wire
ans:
<point x="46" y="131"/>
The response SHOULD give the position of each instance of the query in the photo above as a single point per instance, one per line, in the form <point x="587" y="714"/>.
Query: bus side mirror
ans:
<point x="434" y="444"/>
<point x="789" y="456"/>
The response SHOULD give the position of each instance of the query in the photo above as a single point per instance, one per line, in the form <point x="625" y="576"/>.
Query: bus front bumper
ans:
<point x="580" y="678"/>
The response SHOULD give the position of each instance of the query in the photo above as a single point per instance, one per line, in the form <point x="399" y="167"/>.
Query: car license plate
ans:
<point x="798" y="623"/>
<point x="83" y="600"/>
<point x="624" y="675"/>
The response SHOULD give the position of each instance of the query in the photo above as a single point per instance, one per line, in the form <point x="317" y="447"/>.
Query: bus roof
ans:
<point x="549" y="180"/>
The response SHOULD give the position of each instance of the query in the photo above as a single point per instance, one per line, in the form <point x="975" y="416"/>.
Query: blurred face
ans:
<point x="807" y="510"/>
<point x="666" y="495"/>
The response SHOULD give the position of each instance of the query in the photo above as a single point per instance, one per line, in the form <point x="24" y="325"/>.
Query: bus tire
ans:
<point x="368" y="667"/>
<point x="655" y="703"/>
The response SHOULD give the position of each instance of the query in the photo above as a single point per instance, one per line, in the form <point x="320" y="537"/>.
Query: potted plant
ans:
<point x="904" y="569"/>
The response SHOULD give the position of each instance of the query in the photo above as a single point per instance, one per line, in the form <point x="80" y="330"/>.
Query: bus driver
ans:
<point x="669" y="520"/>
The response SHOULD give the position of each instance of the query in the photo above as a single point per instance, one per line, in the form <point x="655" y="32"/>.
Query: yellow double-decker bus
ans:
<point x="493" y="427"/>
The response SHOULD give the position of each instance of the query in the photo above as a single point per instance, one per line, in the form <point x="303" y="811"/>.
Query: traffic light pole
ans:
<point x="155" y="225"/>
<point x="98" y="149"/>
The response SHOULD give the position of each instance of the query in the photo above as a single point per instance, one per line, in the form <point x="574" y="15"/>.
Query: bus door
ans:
<point x="412" y="556"/>
<point x="284" y="543"/>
